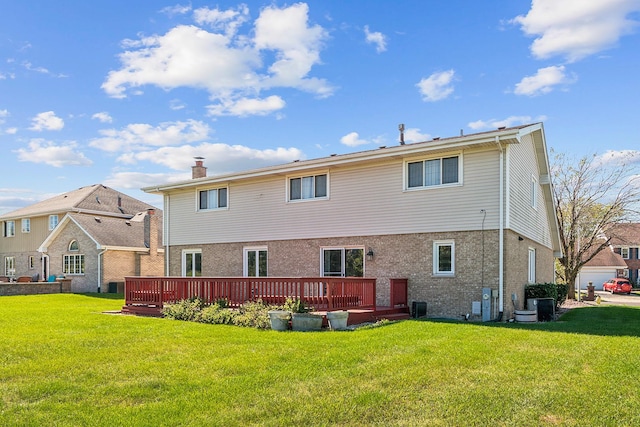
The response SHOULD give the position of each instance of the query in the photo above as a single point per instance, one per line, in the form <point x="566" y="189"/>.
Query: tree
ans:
<point x="591" y="195"/>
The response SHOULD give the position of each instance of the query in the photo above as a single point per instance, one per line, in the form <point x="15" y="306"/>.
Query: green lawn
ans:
<point x="64" y="363"/>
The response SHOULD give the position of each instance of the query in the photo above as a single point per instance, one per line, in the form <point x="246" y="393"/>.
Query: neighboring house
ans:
<point x="454" y="216"/>
<point x="606" y="265"/>
<point x="95" y="235"/>
<point x="625" y="239"/>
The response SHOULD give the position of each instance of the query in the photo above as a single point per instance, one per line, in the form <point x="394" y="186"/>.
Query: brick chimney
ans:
<point x="151" y="230"/>
<point x="198" y="171"/>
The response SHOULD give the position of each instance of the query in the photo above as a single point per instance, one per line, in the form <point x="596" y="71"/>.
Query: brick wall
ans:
<point x="399" y="256"/>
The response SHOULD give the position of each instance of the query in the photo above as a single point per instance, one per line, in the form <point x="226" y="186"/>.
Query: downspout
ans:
<point x="501" y="234"/>
<point x="165" y="234"/>
<point x="100" y="269"/>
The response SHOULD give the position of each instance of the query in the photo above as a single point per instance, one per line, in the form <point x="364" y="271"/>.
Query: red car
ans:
<point x="619" y="286"/>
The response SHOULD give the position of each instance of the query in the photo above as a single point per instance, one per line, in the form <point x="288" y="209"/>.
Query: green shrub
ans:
<point x="186" y="309"/>
<point x="563" y="291"/>
<point x="547" y="290"/>
<point x="254" y="314"/>
<point x="296" y="306"/>
<point x="218" y="314"/>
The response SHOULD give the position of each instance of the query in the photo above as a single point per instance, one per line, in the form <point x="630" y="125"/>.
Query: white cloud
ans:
<point x="175" y="10"/>
<point x="247" y="107"/>
<point x="544" y="81"/>
<point x="414" y="135"/>
<point x="377" y="38"/>
<point x="353" y="140"/>
<point x="46" y="121"/>
<point x="136" y="180"/>
<point x="30" y="67"/>
<point x="42" y="151"/>
<point x="576" y="29"/>
<point x="617" y="158"/>
<point x="231" y="66"/>
<point x="508" y="122"/>
<point x="176" y="104"/>
<point x="103" y="117"/>
<point x="227" y="21"/>
<point x="220" y="158"/>
<point x="140" y="136"/>
<point x="437" y="86"/>
<point x="11" y="131"/>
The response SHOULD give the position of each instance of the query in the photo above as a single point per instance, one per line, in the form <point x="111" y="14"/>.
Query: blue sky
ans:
<point x="127" y="93"/>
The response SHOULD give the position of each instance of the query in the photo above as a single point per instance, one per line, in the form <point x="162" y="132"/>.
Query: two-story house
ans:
<point x="455" y="216"/>
<point x="94" y="235"/>
<point x="625" y="239"/>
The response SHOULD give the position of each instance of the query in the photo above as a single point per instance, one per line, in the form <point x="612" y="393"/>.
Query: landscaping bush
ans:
<point x="218" y="314"/>
<point x="563" y="292"/>
<point x="547" y="290"/>
<point x="254" y="314"/>
<point x="186" y="309"/>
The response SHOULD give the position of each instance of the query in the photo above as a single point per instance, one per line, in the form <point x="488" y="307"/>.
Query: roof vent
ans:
<point x="128" y="223"/>
<point x="437" y="138"/>
<point x="97" y="218"/>
<point x="502" y="128"/>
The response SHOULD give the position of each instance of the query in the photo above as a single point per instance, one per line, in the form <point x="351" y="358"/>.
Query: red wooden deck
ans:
<point x="147" y="295"/>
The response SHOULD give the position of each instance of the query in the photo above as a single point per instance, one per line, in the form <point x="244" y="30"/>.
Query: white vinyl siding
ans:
<point x="257" y="211"/>
<point x="521" y="218"/>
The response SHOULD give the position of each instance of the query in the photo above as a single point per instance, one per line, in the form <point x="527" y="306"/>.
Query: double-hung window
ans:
<point x="444" y="258"/>
<point x="9" y="229"/>
<point x="53" y="221"/>
<point x="255" y="262"/>
<point x="433" y="172"/>
<point x="624" y="252"/>
<point x="26" y="225"/>
<point x="73" y="264"/>
<point x="213" y="199"/>
<point x="308" y="187"/>
<point x="343" y="262"/>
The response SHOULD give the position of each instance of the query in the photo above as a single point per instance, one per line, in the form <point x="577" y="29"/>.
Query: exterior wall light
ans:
<point x="370" y="254"/>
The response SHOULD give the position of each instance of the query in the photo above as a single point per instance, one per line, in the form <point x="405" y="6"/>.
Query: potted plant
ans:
<point x="301" y="318"/>
<point x="279" y="319"/>
<point x="337" y="319"/>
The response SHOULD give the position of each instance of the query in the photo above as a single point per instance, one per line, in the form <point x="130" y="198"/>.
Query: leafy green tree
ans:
<point x="592" y="194"/>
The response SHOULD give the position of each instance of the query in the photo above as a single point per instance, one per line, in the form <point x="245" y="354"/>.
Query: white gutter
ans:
<point x="501" y="232"/>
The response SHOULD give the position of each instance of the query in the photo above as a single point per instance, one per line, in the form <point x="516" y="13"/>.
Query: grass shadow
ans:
<point x="613" y="321"/>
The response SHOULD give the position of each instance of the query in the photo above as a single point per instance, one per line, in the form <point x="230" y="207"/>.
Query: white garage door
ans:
<point x="598" y="277"/>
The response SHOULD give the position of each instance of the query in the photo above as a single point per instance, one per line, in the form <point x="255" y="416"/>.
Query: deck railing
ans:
<point x="323" y="293"/>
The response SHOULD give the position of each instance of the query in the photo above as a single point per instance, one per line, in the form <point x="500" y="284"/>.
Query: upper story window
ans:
<point x="433" y="172"/>
<point x="73" y="246"/>
<point x="308" y="187"/>
<point x="624" y="252"/>
<point x="53" y="222"/>
<point x="213" y="199"/>
<point x="26" y="225"/>
<point x="9" y="228"/>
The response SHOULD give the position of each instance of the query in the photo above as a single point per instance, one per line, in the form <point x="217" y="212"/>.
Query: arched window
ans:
<point x="73" y="246"/>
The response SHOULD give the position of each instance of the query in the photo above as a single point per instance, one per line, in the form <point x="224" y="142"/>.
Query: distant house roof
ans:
<point x="625" y="234"/>
<point x="109" y="232"/>
<point x="95" y="198"/>
<point x="607" y="258"/>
